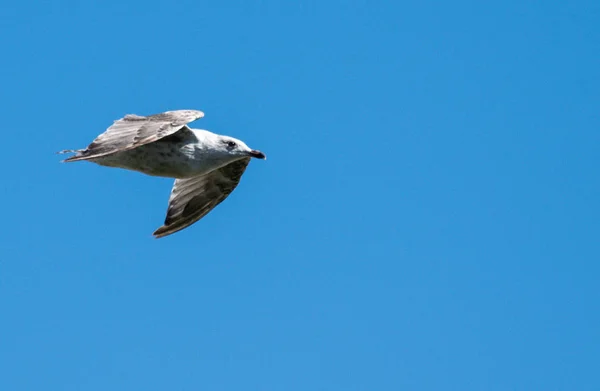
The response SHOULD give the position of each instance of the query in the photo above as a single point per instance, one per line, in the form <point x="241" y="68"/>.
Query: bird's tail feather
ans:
<point x="77" y="153"/>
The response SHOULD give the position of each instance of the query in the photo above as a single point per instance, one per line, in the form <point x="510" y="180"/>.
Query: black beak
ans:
<point x="257" y="154"/>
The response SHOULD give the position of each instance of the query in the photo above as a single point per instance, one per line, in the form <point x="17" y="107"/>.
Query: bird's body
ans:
<point x="206" y="166"/>
<point x="182" y="155"/>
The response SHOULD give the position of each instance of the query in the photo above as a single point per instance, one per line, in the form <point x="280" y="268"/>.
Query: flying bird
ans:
<point x="206" y="166"/>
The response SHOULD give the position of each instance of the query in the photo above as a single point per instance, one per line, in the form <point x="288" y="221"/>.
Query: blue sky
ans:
<point x="427" y="218"/>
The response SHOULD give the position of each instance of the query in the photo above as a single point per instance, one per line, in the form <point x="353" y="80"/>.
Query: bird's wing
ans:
<point x="133" y="130"/>
<point x="192" y="198"/>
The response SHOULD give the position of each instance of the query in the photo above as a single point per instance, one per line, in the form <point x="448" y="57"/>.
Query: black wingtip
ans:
<point x="161" y="232"/>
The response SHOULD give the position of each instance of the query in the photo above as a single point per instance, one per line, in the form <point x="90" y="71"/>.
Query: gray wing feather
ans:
<point x="192" y="198"/>
<point x="132" y="131"/>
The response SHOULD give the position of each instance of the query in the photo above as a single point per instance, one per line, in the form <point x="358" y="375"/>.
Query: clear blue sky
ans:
<point x="427" y="218"/>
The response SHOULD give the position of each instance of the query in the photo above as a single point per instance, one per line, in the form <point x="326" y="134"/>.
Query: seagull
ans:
<point x="206" y="166"/>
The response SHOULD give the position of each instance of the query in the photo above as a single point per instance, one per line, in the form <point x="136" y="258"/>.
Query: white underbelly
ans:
<point x="157" y="159"/>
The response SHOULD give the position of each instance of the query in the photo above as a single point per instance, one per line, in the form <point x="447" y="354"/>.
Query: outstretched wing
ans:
<point x="192" y="198"/>
<point x="133" y="130"/>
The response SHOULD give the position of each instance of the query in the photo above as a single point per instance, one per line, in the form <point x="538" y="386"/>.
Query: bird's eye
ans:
<point x="230" y="144"/>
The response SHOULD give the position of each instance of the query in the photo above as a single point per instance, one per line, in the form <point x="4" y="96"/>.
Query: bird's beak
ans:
<point x="257" y="154"/>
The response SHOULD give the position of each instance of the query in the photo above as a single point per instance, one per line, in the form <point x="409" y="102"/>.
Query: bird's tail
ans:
<point x="77" y="153"/>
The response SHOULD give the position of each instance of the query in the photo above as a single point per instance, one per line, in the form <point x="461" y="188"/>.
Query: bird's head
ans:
<point x="237" y="147"/>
